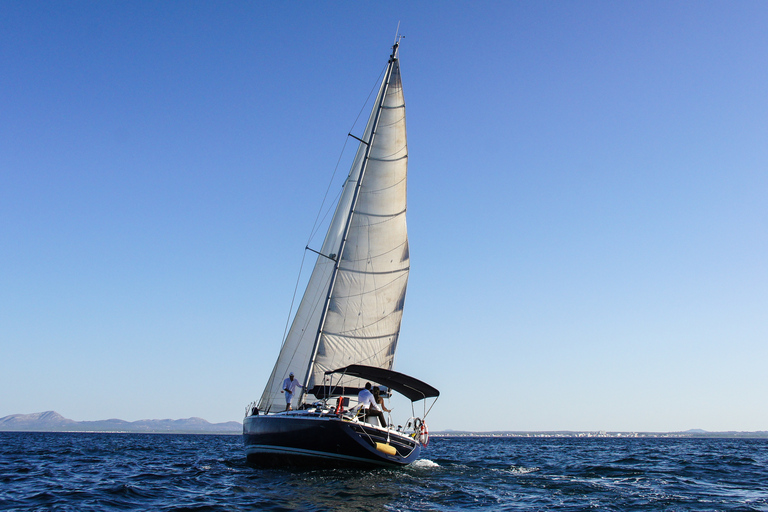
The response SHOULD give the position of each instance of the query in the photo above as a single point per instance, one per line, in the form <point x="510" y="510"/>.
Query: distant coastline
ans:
<point x="693" y="434"/>
<point x="51" y="421"/>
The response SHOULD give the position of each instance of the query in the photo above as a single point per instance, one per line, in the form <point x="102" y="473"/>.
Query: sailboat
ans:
<point x="346" y="328"/>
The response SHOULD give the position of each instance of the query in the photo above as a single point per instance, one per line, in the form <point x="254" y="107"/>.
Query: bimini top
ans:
<point x="413" y="389"/>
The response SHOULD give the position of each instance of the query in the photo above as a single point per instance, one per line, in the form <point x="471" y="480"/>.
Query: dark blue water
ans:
<point x="42" y="471"/>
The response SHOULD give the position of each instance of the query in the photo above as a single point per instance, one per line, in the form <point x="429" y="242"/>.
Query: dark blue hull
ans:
<point x="306" y="439"/>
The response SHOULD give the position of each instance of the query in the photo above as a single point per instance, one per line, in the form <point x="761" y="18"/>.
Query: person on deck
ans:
<point x="289" y="386"/>
<point x="366" y="399"/>
<point x="379" y="400"/>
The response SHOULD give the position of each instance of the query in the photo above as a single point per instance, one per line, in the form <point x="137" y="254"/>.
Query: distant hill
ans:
<point x="51" y="421"/>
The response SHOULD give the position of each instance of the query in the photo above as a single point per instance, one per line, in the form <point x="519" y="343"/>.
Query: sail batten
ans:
<point x="352" y="308"/>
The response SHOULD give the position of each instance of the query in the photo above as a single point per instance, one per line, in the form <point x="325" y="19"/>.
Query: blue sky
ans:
<point x="587" y="211"/>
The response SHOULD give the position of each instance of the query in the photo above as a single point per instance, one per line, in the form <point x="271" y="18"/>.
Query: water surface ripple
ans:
<point x="83" y="471"/>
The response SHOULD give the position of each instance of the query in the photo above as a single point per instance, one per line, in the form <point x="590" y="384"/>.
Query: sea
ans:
<point x="167" y="472"/>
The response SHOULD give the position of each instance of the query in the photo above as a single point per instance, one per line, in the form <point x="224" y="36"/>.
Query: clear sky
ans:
<point x="587" y="214"/>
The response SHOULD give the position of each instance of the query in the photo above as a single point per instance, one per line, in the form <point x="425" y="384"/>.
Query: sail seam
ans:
<point x="368" y="272"/>
<point x="381" y="215"/>
<point x="395" y="152"/>
<point x="387" y="159"/>
<point x="384" y="353"/>
<point x="392" y="122"/>
<point x="379" y="255"/>
<point x="342" y="335"/>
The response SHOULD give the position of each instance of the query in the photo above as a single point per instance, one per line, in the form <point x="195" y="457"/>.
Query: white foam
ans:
<point x="520" y="470"/>
<point x="425" y="463"/>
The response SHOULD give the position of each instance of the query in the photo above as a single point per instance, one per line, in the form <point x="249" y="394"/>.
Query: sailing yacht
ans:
<point x="346" y="328"/>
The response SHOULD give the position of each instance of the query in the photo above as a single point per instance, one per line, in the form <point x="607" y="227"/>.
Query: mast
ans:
<point x="381" y="98"/>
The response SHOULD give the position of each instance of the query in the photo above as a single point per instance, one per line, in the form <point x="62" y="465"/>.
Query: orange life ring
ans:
<point x="424" y="433"/>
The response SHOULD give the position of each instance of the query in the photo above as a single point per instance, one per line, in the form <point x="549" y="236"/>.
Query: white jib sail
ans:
<point x="361" y="319"/>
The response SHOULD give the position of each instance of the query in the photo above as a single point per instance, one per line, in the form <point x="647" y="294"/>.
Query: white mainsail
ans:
<point x="351" y="310"/>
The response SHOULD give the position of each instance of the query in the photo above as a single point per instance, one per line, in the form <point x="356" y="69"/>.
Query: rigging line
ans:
<point x="306" y="323"/>
<point x="376" y="85"/>
<point x="315" y="226"/>
<point x="274" y="378"/>
<point x="328" y="211"/>
<point x="293" y="300"/>
<point x="313" y="306"/>
<point x="317" y="223"/>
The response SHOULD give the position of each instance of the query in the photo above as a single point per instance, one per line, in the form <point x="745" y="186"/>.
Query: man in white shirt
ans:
<point x="289" y="386"/>
<point x="365" y="398"/>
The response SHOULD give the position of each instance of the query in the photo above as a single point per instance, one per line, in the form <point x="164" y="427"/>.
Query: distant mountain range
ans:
<point x="51" y="421"/>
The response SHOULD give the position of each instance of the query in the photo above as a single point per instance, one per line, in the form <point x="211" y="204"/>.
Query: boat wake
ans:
<point x="425" y="463"/>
